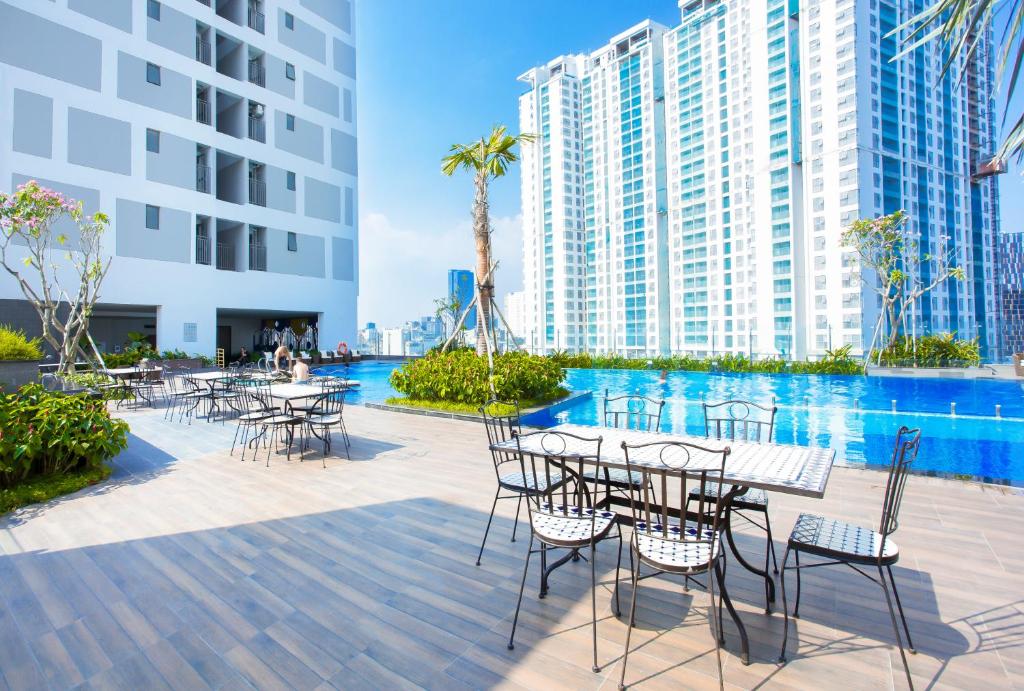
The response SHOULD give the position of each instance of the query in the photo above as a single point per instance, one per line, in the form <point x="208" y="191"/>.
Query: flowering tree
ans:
<point x="884" y="246"/>
<point x="27" y="219"/>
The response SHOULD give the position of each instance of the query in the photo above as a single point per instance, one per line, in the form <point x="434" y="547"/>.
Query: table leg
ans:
<point x="769" y="582"/>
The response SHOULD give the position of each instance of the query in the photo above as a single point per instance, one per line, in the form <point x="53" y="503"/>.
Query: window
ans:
<point x="153" y="10"/>
<point x="293" y="242"/>
<point x="191" y="332"/>
<point x="289" y="71"/>
<point x="152" y="141"/>
<point x="289" y="122"/>
<point x="290" y="181"/>
<point x="289" y="21"/>
<point x="153" y="73"/>
<point x="152" y="217"/>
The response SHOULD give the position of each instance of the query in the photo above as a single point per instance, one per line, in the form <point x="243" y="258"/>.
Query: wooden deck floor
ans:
<point x="193" y="570"/>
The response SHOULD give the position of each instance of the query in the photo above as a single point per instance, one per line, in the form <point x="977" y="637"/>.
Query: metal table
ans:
<point x="785" y="468"/>
<point x="126" y="374"/>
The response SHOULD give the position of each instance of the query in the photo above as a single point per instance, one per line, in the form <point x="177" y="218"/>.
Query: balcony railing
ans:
<point x="257" y="129"/>
<point x="225" y="256"/>
<point x="202" y="50"/>
<point x="257" y="73"/>
<point x="203" y="249"/>
<point x="202" y="178"/>
<point x="257" y="192"/>
<point x="203" y="113"/>
<point x="257" y="256"/>
<point x="256" y="20"/>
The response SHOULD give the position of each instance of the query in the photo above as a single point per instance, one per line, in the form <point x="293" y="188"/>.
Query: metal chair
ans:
<point x="502" y="427"/>
<point x="560" y="519"/>
<point x="737" y="420"/>
<point x="253" y="411"/>
<point x="846" y="543"/>
<point x="683" y="547"/>
<point x="278" y="420"/>
<point x="327" y="412"/>
<point x="631" y="411"/>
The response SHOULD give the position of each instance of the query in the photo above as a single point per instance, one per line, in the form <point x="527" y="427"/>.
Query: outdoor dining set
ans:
<point x="266" y="405"/>
<point x="681" y="495"/>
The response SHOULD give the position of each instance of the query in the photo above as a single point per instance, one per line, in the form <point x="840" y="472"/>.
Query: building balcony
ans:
<point x="225" y="256"/>
<point x="257" y="74"/>
<point x="204" y="114"/>
<point x="257" y="192"/>
<point x="257" y="20"/>
<point x="203" y="53"/>
<point x="203" y="247"/>
<point x="257" y="257"/>
<point x="257" y="129"/>
<point x="202" y="178"/>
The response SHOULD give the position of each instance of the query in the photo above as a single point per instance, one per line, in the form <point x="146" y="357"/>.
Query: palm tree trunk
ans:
<point x="485" y="289"/>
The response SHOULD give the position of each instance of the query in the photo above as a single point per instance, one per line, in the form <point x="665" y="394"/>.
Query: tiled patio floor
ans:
<point x="190" y="569"/>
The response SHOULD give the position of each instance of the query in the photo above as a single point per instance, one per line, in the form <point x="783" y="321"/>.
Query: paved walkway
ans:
<point x="190" y="569"/>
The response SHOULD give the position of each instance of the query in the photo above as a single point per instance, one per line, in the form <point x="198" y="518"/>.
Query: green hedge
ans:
<point x="938" y="350"/>
<point x="44" y="433"/>
<point x="14" y="345"/>
<point x="835" y="362"/>
<point x="132" y="356"/>
<point x="460" y="376"/>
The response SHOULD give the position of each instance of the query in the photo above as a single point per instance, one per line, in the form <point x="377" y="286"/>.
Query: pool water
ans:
<point x="851" y="414"/>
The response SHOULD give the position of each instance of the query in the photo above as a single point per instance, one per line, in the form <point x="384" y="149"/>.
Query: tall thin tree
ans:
<point x="487" y="158"/>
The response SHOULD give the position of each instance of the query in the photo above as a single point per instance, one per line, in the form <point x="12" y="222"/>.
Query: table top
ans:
<point x="785" y="468"/>
<point x="219" y="375"/>
<point x="121" y="371"/>
<point x="295" y="391"/>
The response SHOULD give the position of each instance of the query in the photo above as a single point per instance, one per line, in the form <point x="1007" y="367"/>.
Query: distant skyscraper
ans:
<point x="690" y="185"/>
<point x="515" y="313"/>
<point x="460" y="285"/>
<point x="1011" y="292"/>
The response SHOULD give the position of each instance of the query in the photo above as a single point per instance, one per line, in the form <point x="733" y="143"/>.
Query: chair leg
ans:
<point x="515" y="525"/>
<point x="618" y="567"/>
<point x="519" y="602"/>
<point x="593" y="601"/>
<point x="895" y="626"/>
<point x="796" y="609"/>
<point x="487" y="530"/>
<point x="632" y="617"/>
<point x="717" y="631"/>
<point x="785" y="607"/>
<point x="771" y="543"/>
<point x="899" y="605"/>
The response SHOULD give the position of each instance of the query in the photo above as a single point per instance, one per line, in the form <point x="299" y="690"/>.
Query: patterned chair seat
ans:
<point x="255" y="416"/>
<point x="752" y="500"/>
<point x="576" y="529"/>
<point x="681" y="551"/>
<point x="332" y="419"/>
<point x="517" y="482"/>
<point x="617" y="477"/>
<point x="281" y="419"/>
<point x="826" y="537"/>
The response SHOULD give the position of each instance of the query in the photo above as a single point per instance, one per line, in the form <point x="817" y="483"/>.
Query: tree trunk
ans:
<point x="485" y="287"/>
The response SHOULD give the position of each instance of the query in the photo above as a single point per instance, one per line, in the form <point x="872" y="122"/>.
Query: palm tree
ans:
<point x="959" y="25"/>
<point x="489" y="157"/>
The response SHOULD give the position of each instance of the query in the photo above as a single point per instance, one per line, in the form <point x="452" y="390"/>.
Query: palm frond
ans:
<point x="493" y="153"/>
<point x="959" y="26"/>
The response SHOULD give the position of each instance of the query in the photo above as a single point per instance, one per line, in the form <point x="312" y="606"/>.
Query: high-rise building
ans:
<point x="461" y="287"/>
<point x="219" y="138"/>
<point x="715" y="165"/>
<point x="1011" y="292"/>
<point x="515" y="314"/>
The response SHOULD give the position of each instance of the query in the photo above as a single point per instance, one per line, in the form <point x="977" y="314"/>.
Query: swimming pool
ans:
<point x="851" y="414"/>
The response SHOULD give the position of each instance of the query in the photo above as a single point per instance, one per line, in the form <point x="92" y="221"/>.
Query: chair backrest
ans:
<point x="330" y="402"/>
<point x="738" y="420"/>
<point x="665" y="465"/>
<point x="632" y="411"/>
<point x="50" y="382"/>
<point x="501" y="420"/>
<point x="908" y="441"/>
<point x="547" y="459"/>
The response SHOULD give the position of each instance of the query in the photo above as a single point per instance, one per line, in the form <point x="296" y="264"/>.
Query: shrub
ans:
<point x="460" y="376"/>
<point x="938" y="350"/>
<point x="44" y="433"/>
<point x="15" y="345"/>
<point x="835" y="362"/>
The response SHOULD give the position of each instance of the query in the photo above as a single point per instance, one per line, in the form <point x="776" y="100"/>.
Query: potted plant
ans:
<point x="19" y="358"/>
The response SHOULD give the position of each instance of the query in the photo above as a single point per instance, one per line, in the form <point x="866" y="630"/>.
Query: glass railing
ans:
<point x="202" y="50"/>
<point x="256" y="20"/>
<point x="257" y="192"/>
<point x="257" y="129"/>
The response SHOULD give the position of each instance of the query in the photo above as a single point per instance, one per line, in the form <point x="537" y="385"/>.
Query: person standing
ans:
<point x="282" y="357"/>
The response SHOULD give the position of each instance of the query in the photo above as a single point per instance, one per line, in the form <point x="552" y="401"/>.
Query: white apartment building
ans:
<point x="220" y="138"/>
<point x="777" y="125"/>
<point x="516" y="315"/>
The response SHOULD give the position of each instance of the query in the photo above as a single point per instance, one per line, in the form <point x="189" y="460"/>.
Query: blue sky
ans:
<point x="434" y="73"/>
